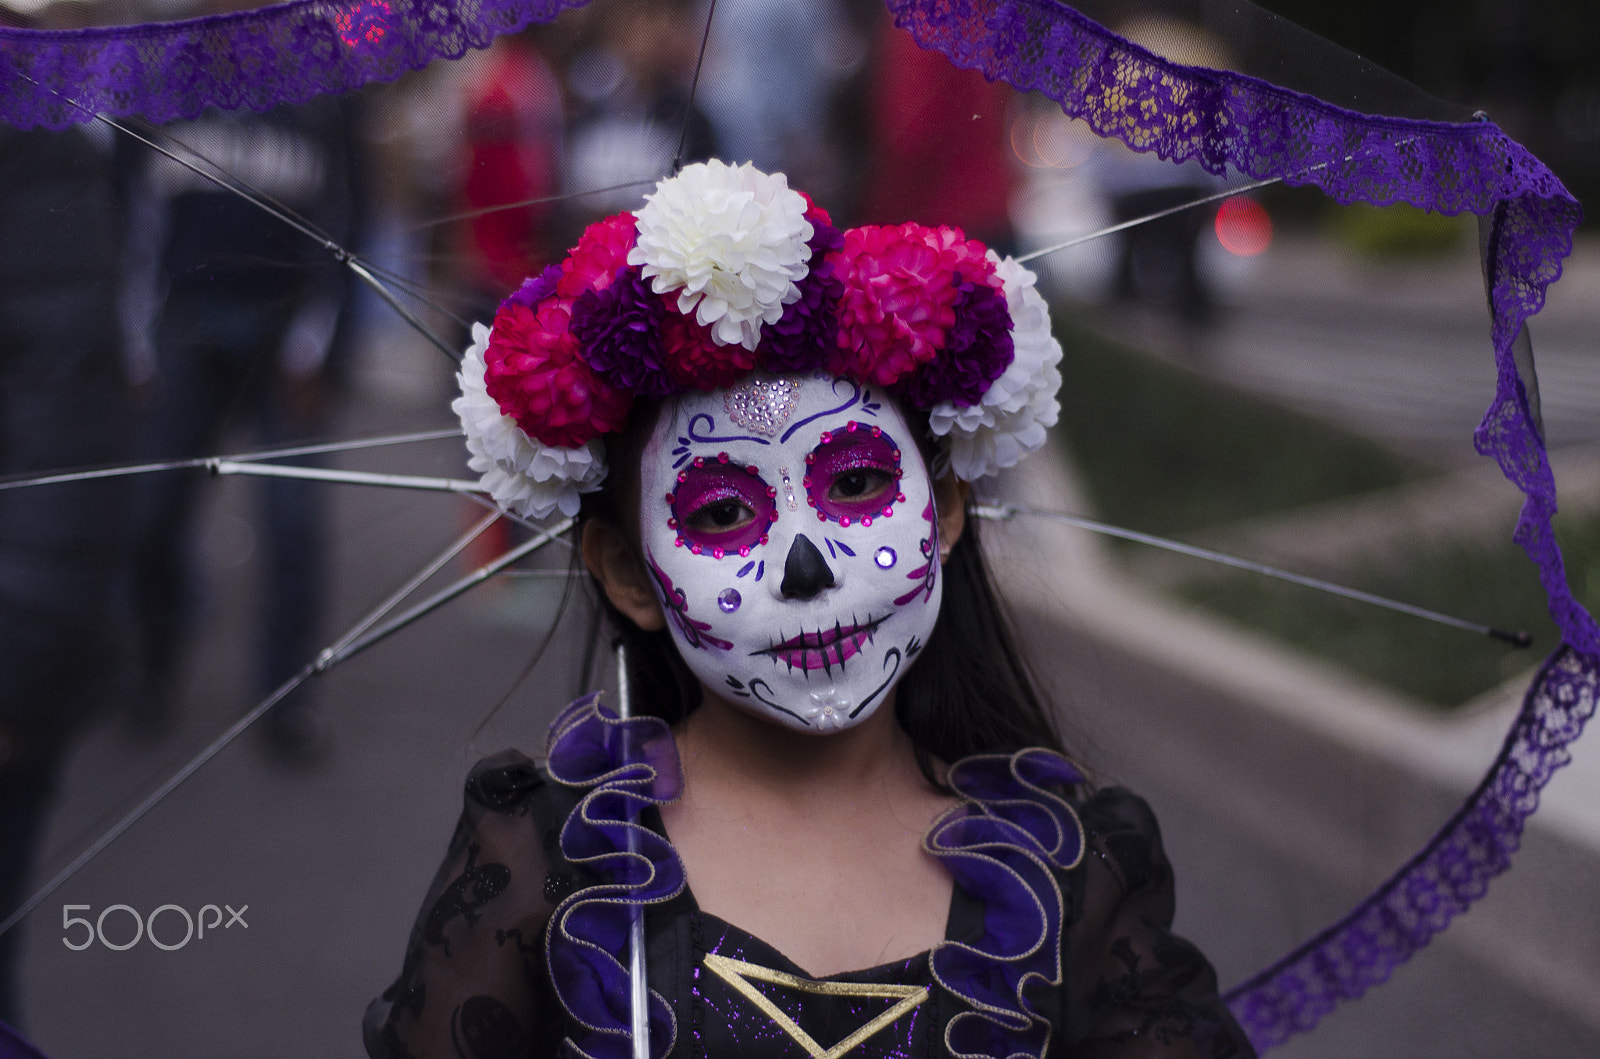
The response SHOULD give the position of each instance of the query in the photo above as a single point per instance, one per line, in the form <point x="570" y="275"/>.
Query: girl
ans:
<point x="843" y="809"/>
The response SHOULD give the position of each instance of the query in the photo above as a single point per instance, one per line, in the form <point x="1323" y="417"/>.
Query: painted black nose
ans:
<point x="805" y="571"/>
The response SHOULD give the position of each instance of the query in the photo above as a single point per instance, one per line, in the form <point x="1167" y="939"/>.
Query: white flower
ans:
<point x="522" y="475"/>
<point x="828" y="711"/>
<point x="1011" y="419"/>
<point x="731" y="240"/>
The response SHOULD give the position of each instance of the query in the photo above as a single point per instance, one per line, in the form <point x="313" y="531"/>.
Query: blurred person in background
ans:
<point x="939" y="151"/>
<point x="512" y="154"/>
<point x="64" y="402"/>
<point x="628" y="90"/>
<point x="237" y="322"/>
<point x="770" y="72"/>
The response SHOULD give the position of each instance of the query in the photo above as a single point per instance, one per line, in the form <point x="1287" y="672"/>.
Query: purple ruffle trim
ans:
<point x="12" y="1046"/>
<point x="630" y="765"/>
<point x="1005" y="847"/>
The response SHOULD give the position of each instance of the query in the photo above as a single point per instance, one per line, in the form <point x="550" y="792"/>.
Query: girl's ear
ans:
<point x="614" y="562"/>
<point x="950" y="501"/>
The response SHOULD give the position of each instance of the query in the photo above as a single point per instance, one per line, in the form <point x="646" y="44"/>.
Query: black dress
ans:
<point x="1040" y="959"/>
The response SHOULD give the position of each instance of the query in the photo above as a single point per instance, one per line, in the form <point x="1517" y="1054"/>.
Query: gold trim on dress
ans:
<point x="738" y="974"/>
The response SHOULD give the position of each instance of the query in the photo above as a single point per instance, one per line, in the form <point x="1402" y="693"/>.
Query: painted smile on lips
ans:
<point x="825" y="648"/>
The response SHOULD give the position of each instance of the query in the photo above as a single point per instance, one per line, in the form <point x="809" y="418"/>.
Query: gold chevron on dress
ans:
<point x="740" y="974"/>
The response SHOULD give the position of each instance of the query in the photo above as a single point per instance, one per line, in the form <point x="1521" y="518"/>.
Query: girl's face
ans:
<point x="789" y="529"/>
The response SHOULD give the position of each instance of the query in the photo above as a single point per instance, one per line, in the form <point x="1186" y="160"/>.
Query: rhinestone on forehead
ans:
<point x="762" y="405"/>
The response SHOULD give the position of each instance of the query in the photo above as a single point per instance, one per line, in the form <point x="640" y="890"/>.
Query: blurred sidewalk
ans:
<point x="1397" y="349"/>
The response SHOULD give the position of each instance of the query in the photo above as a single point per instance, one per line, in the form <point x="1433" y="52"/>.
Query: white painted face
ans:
<point x="790" y="530"/>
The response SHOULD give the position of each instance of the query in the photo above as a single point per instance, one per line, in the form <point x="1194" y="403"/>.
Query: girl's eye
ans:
<point x="863" y="483"/>
<point x="721" y="508"/>
<point x="722" y="516"/>
<point x="853" y="475"/>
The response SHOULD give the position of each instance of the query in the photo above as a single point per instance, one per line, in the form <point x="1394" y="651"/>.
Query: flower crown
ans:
<point x="726" y="271"/>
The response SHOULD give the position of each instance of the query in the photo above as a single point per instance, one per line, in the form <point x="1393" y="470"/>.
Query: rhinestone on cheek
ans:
<point x="885" y="557"/>
<point x="729" y="600"/>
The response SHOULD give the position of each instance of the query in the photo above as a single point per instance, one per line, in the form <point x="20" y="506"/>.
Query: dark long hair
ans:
<point x="969" y="691"/>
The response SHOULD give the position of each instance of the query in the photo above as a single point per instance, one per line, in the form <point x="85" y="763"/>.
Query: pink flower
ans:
<point x="899" y="297"/>
<point x="534" y="372"/>
<point x="593" y="263"/>
<point x="695" y="360"/>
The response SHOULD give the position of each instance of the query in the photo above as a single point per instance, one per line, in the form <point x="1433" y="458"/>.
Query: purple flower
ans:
<point x="535" y="289"/>
<point x="809" y="327"/>
<point x="977" y="350"/>
<point x="619" y="334"/>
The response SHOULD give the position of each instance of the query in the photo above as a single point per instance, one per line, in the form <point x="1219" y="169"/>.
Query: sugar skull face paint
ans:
<point x="822" y="628"/>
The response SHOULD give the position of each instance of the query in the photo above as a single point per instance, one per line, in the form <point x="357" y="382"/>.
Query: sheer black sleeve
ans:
<point x="1139" y="990"/>
<point x="473" y="983"/>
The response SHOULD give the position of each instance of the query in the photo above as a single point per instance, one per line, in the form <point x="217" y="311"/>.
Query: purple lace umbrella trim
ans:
<point x="630" y="765"/>
<point x="1442" y="881"/>
<point x="287" y="53"/>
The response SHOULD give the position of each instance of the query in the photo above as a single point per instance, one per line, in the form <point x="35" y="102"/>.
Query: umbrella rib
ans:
<point x="197" y="462"/>
<point x="542" y="200"/>
<point x="1004" y="512"/>
<point x="360" y="636"/>
<point x="350" y="646"/>
<point x="677" y="164"/>
<point x="228" y="182"/>
<point x="1122" y="226"/>
<point x="327" y="474"/>
<point x="1226" y="193"/>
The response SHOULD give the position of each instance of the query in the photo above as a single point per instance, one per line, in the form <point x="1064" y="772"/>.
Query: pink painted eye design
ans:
<point x="853" y="476"/>
<point x="721" y="508"/>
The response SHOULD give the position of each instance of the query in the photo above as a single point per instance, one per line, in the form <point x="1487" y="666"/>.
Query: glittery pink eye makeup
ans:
<point x="853" y="476"/>
<point x="721" y="508"/>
